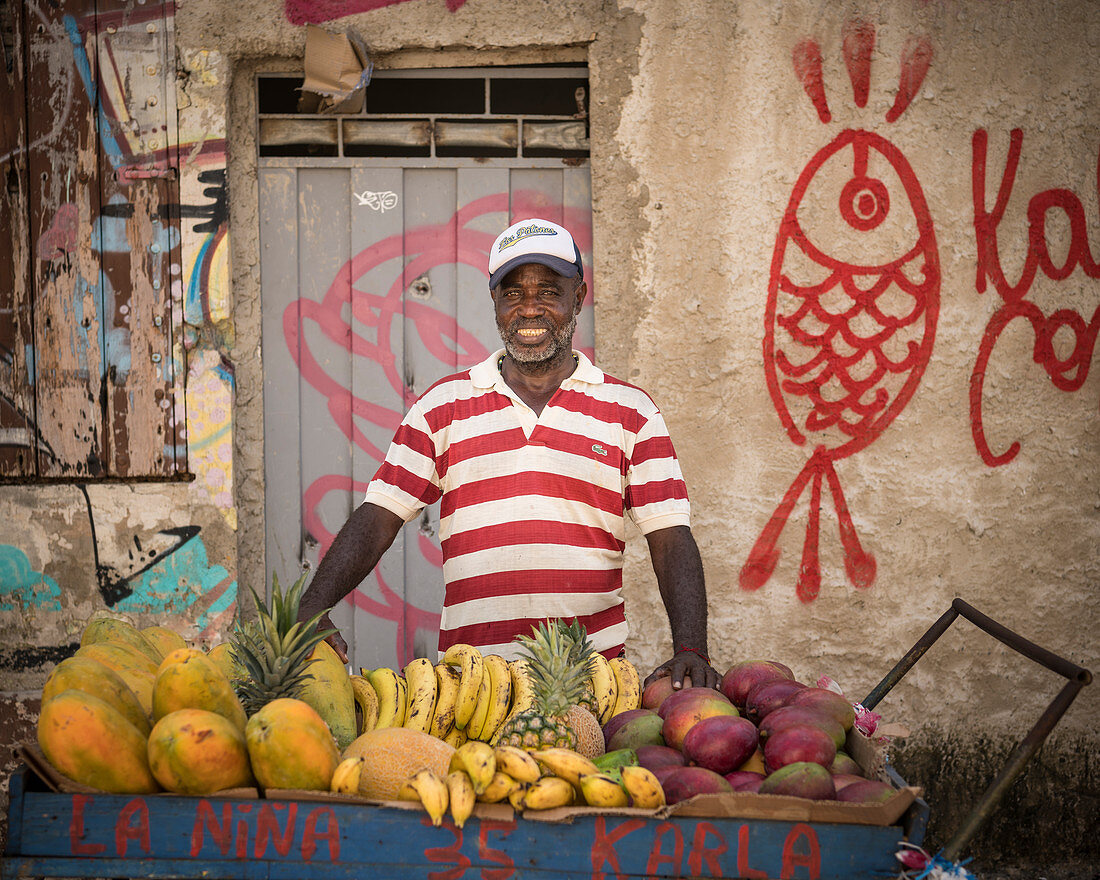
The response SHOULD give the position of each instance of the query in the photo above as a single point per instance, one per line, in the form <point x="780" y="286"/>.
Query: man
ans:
<point x="537" y="456"/>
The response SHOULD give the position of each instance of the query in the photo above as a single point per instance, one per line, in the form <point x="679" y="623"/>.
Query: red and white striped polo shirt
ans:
<point x="532" y="512"/>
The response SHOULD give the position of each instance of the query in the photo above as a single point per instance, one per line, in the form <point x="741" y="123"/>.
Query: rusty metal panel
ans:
<point x="18" y="437"/>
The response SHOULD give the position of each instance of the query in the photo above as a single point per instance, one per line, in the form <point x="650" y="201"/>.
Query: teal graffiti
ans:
<point x="23" y="585"/>
<point x="174" y="584"/>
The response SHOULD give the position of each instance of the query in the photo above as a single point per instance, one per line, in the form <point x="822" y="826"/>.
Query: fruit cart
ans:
<point x="318" y="835"/>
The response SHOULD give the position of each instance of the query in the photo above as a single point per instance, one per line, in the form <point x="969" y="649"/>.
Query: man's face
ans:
<point x="536" y="313"/>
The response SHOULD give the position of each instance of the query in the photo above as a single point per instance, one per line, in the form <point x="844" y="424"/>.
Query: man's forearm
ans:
<point x="679" y="570"/>
<point x="362" y="540"/>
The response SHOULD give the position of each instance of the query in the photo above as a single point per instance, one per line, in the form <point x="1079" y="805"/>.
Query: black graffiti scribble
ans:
<point x="218" y="210"/>
<point x="215" y="212"/>
<point x="114" y="586"/>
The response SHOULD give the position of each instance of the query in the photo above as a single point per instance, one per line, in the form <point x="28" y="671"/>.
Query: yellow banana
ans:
<point x="477" y="760"/>
<point x="600" y="790"/>
<point x="630" y="686"/>
<point x="367" y="699"/>
<point x="500" y="697"/>
<point x="471" y="668"/>
<point x="515" y="796"/>
<point x="422" y="692"/>
<point x="499" y="788"/>
<point x="426" y="786"/>
<point x="391" y="690"/>
<point x="460" y="791"/>
<point x="481" y="710"/>
<point x="523" y="693"/>
<point x="547" y="793"/>
<point x="345" y="779"/>
<point x="605" y="685"/>
<point x="517" y="763"/>
<point x="455" y="737"/>
<point x="443" y="718"/>
<point x="566" y="763"/>
<point x="642" y="786"/>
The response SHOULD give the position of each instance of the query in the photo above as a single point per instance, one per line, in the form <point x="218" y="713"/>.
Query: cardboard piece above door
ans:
<point x="337" y="71"/>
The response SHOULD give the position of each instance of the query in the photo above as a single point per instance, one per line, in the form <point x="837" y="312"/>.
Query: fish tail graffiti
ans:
<point x="851" y="316"/>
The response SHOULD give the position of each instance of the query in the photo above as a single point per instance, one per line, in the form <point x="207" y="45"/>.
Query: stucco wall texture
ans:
<point x="756" y="168"/>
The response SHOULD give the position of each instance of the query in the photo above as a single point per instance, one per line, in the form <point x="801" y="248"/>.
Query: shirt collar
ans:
<point x="486" y="375"/>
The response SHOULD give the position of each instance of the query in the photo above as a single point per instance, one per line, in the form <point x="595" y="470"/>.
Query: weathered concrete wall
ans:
<point x="708" y="120"/>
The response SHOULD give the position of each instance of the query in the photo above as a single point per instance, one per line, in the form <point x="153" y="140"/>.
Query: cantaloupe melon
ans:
<point x="392" y="754"/>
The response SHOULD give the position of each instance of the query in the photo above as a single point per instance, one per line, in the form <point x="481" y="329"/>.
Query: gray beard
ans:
<point x="560" y="343"/>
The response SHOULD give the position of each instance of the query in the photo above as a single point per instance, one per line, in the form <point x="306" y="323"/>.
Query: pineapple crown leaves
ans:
<point x="559" y="657"/>
<point x="275" y="650"/>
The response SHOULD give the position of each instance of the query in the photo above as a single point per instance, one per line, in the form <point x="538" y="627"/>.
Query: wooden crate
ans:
<point x="160" y="836"/>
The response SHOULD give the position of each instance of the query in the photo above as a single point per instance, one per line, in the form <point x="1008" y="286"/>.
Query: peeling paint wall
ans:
<point x="757" y="169"/>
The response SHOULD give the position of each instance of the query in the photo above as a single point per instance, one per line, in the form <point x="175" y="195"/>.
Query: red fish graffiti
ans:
<point x="853" y="300"/>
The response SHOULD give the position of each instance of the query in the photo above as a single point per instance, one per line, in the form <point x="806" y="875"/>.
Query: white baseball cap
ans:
<point x="534" y="241"/>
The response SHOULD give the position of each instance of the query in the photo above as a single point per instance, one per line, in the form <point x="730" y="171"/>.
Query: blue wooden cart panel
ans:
<point x="80" y="835"/>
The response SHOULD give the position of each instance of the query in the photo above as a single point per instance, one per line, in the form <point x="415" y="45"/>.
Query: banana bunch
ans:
<point x="542" y="780"/>
<point x="468" y="696"/>
<point x="616" y="686"/>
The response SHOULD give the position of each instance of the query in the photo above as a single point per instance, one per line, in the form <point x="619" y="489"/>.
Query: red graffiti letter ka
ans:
<point x="603" y="845"/>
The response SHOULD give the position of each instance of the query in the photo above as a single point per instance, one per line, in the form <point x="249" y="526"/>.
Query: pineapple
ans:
<point x="558" y="658"/>
<point x="274" y="652"/>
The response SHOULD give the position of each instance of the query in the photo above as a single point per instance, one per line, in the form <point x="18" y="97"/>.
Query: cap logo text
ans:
<point x="522" y="233"/>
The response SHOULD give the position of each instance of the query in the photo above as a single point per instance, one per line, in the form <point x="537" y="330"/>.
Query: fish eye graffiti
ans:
<point x="849" y="327"/>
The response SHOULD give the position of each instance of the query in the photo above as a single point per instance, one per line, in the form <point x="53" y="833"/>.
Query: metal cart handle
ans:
<point x="1077" y="677"/>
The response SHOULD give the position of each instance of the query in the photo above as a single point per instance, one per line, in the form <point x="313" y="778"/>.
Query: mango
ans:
<point x="721" y="743"/>
<point x="742" y="677"/>
<point x="865" y="791"/>
<point x="188" y="679"/>
<point x="92" y="677"/>
<point x="797" y="743"/>
<point x="693" y="705"/>
<point x="800" y="779"/>
<point x="684" y="782"/>
<point x="196" y="752"/>
<point x="93" y="744"/>
<point x="291" y="746"/>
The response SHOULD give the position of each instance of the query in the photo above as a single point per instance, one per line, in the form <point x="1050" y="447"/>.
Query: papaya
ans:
<point x="93" y="744"/>
<point x="291" y="746"/>
<point x="223" y="656"/>
<point x="92" y="677"/>
<point x="188" y="679"/>
<point x="137" y="670"/>
<point x="165" y="640"/>
<point x="196" y="752"/>
<point x="328" y="689"/>
<point x="114" y="629"/>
